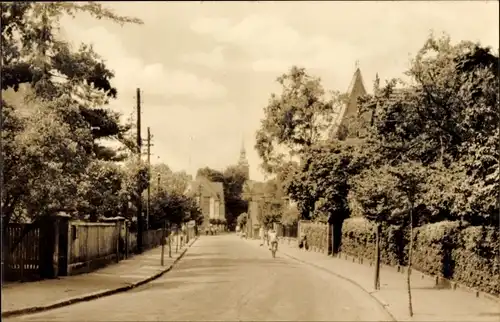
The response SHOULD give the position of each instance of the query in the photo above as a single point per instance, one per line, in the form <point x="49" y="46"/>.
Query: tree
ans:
<point x="55" y="143"/>
<point x="295" y="120"/>
<point x="100" y="190"/>
<point x="447" y="119"/>
<point x="290" y="216"/>
<point x="324" y="175"/>
<point x="174" y="208"/>
<point x="172" y="182"/>
<point x="234" y="179"/>
<point x="387" y="195"/>
<point x="43" y="162"/>
<point x="33" y="54"/>
<point x="435" y="141"/>
<point x="211" y="174"/>
<point x="410" y="177"/>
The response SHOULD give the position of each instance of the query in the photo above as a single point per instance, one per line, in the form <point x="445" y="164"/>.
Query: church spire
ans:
<point x="243" y="162"/>
<point x="243" y="152"/>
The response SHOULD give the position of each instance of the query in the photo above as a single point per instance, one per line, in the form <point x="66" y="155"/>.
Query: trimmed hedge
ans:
<point x="433" y="248"/>
<point x="316" y="233"/>
<point x="476" y="259"/>
<point x="358" y="239"/>
<point x="467" y="255"/>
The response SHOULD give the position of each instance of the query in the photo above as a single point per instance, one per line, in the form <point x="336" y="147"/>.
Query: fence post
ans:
<point x="127" y="237"/>
<point x="170" y="240"/>
<point x="121" y="237"/>
<point x="64" y="244"/>
<point x="49" y="255"/>
<point x="163" y="237"/>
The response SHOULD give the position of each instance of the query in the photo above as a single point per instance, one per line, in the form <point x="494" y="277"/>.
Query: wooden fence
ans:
<point x="60" y="247"/>
<point x="92" y="245"/>
<point x="21" y="253"/>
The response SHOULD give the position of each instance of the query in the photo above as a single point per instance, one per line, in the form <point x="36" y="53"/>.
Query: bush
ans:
<point x="476" y="259"/>
<point x="433" y="248"/>
<point x="358" y="239"/>
<point x="467" y="255"/>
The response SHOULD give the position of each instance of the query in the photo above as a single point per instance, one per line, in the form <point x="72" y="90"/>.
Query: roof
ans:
<point x="356" y="89"/>
<point x="255" y="187"/>
<point x="356" y="83"/>
<point x="214" y="189"/>
<point x="218" y="187"/>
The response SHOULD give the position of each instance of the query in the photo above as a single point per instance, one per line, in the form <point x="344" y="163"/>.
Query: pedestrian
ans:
<point x="262" y="235"/>
<point x="206" y="230"/>
<point x="267" y="231"/>
<point x="303" y="243"/>
<point x="273" y="238"/>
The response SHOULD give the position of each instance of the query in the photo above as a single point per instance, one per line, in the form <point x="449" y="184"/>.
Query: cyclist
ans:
<point x="273" y="238"/>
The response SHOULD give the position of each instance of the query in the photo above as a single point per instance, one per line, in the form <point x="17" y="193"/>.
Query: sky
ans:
<point x="207" y="69"/>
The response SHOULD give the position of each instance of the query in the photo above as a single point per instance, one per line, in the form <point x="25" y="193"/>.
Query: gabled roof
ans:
<point x="214" y="189"/>
<point x="357" y="84"/>
<point x="218" y="187"/>
<point x="356" y="89"/>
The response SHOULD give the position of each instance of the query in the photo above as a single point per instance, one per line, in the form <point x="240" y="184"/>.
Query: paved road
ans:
<point x="225" y="278"/>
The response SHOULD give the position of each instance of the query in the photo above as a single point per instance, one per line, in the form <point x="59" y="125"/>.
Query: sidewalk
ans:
<point x="23" y="298"/>
<point x="429" y="303"/>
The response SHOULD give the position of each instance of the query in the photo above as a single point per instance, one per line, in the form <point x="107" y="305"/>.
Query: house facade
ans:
<point x="255" y="193"/>
<point x="210" y="198"/>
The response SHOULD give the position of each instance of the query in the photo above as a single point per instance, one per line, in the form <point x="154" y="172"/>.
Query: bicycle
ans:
<point x="274" y="248"/>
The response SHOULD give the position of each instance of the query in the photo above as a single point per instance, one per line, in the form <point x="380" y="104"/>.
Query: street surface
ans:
<point x="225" y="278"/>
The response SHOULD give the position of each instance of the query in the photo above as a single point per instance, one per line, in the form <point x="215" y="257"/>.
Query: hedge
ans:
<point x="358" y="239"/>
<point x="467" y="255"/>
<point x="316" y="234"/>
<point x="476" y="262"/>
<point x="433" y="248"/>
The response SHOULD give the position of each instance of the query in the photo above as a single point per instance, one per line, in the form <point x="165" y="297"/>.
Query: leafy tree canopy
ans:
<point x="294" y="120"/>
<point x="446" y="119"/>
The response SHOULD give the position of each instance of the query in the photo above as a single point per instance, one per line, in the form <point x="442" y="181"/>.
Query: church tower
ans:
<point x="243" y="162"/>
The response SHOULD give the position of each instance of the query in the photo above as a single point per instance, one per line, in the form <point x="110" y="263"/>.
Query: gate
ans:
<point x="21" y="257"/>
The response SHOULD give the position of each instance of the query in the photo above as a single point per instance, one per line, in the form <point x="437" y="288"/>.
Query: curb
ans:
<point x="371" y="293"/>
<point x="95" y="295"/>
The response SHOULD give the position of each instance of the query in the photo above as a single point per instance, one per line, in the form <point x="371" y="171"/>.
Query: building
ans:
<point x="243" y="162"/>
<point x="210" y="198"/>
<point x="350" y="108"/>
<point x="254" y="193"/>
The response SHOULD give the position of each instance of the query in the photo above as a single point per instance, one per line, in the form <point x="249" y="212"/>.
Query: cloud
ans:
<point x="132" y="72"/>
<point x="213" y="59"/>
<point x="337" y="33"/>
<point x="272" y="44"/>
<point x="189" y="137"/>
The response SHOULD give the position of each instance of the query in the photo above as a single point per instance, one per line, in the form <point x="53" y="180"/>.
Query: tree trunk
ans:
<point x="376" y="281"/>
<point x="408" y="272"/>
<point x="333" y="240"/>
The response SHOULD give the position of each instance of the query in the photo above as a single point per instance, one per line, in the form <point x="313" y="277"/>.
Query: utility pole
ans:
<point x="164" y="228"/>
<point x="140" y="226"/>
<point x="148" y="205"/>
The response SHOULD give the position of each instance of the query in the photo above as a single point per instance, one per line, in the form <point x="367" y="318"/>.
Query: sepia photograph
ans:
<point x="250" y="161"/>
